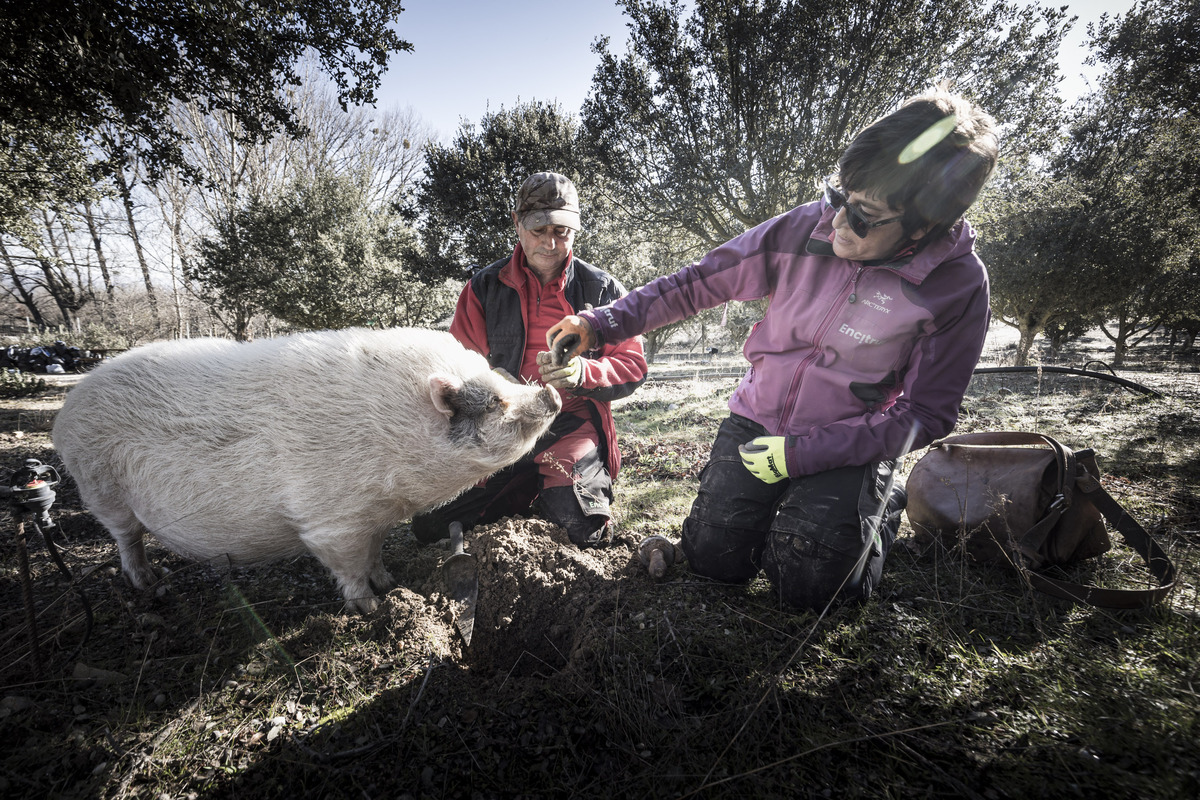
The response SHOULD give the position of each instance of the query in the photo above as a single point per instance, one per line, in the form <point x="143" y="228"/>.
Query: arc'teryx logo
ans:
<point x="878" y="302"/>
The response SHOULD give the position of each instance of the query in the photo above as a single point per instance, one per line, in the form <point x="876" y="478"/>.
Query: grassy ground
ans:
<point x="955" y="681"/>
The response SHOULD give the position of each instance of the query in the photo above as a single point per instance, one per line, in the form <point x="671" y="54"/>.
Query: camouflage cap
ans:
<point x="547" y="198"/>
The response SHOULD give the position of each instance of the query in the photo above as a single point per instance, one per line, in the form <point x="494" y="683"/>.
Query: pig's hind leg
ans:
<point x="128" y="531"/>
<point x="355" y="559"/>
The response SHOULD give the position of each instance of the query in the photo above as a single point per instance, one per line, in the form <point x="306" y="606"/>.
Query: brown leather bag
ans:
<point x="1025" y="499"/>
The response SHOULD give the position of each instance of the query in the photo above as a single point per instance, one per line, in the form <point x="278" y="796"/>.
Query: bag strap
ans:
<point x="1135" y="536"/>
<point x="1070" y="478"/>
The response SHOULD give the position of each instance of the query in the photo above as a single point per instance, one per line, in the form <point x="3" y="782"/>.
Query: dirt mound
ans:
<point x="542" y="607"/>
<point x="405" y="622"/>
<point x="538" y="593"/>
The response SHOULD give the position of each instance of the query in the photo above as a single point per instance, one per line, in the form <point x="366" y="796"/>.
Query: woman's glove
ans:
<point x="765" y="459"/>
<point x="563" y="334"/>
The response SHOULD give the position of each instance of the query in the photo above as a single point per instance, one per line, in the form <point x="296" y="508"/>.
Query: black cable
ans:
<point x="87" y="607"/>
<point x="31" y="492"/>
<point x="1128" y="384"/>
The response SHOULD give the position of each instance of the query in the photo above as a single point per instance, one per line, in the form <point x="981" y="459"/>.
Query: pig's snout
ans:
<point x="550" y="400"/>
<point x="539" y="411"/>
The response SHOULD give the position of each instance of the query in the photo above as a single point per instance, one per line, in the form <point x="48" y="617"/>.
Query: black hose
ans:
<point x="27" y="596"/>
<point x="1101" y="363"/>
<point x="87" y="607"/>
<point x="1128" y="384"/>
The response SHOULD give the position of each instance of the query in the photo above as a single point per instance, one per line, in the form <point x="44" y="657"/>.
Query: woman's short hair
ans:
<point x="930" y="157"/>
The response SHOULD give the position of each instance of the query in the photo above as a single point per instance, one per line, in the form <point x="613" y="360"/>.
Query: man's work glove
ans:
<point x="560" y="376"/>
<point x="569" y="337"/>
<point x="765" y="459"/>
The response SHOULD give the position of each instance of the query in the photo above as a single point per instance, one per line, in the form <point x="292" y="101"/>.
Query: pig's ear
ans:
<point x="444" y="389"/>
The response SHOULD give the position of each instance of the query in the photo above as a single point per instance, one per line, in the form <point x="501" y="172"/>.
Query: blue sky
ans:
<point x="474" y="55"/>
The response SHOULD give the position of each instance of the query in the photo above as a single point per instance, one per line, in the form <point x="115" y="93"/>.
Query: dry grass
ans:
<point x="955" y="681"/>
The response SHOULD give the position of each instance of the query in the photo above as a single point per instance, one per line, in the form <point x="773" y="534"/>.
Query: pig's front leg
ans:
<point x="381" y="580"/>
<point x="354" y="558"/>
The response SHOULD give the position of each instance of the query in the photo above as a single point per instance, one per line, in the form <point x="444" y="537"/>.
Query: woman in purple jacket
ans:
<point x="877" y="316"/>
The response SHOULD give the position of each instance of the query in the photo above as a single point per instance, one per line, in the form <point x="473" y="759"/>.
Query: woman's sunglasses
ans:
<point x="858" y="223"/>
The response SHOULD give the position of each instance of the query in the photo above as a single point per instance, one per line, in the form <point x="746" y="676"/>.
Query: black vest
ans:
<point x="585" y="287"/>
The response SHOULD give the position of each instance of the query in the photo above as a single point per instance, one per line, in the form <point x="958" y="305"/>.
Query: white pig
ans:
<point x="319" y="441"/>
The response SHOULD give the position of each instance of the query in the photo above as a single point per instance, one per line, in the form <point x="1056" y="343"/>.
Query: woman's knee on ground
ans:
<point x="730" y="555"/>
<point x="810" y="568"/>
<point x="811" y="564"/>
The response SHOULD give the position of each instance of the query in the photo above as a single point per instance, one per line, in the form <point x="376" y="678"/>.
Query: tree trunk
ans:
<point x="58" y="290"/>
<point x="173" y="222"/>
<point x="1124" y="338"/>
<point x="24" y="295"/>
<point x="181" y="253"/>
<point x="108" y="284"/>
<point x="242" y="326"/>
<point x="127" y="201"/>
<point x="1119" y="340"/>
<point x="57" y="280"/>
<point x="653" y="343"/>
<point x="1029" y="332"/>
<point x="1189" y="341"/>
<point x="70" y="259"/>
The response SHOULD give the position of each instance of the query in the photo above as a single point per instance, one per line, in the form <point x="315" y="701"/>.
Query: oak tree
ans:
<point x="721" y="117"/>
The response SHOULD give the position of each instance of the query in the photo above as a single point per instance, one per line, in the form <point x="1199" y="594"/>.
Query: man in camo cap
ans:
<point x="504" y="312"/>
<point x="547" y="198"/>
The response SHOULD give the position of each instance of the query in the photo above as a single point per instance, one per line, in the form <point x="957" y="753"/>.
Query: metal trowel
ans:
<point x="462" y="583"/>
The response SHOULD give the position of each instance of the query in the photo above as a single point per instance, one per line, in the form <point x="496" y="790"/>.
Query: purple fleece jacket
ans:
<point x="852" y="357"/>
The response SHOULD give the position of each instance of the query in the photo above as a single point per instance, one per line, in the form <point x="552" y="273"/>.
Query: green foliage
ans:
<point x="71" y="69"/>
<point x="1038" y="274"/>
<point x="20" y="384"/>
<point x="40" y="167"/>
<point x="466" y="199"/>
<point x="319" y="257"/>
<point x="1106" y="234"/>
<point x="1184" y="317"/>
<point x="740" y="318"/>
<point x="117" y="334"/>
<point x="1132" y="153"/>
<point x="1153" y="52"/>
<point x="714" y="122"/>
<point x="230" y="265"/>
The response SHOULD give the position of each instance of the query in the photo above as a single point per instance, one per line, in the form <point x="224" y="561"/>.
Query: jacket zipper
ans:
<point x="853" y="298"/>
<point x="846" y="294"/>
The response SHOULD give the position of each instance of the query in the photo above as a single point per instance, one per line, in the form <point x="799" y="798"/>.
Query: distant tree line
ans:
<point x="296" y="207"/>
<point x="1101" y="230"/>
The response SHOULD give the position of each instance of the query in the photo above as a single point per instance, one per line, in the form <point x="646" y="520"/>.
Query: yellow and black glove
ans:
<point x="765" y="458"/>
